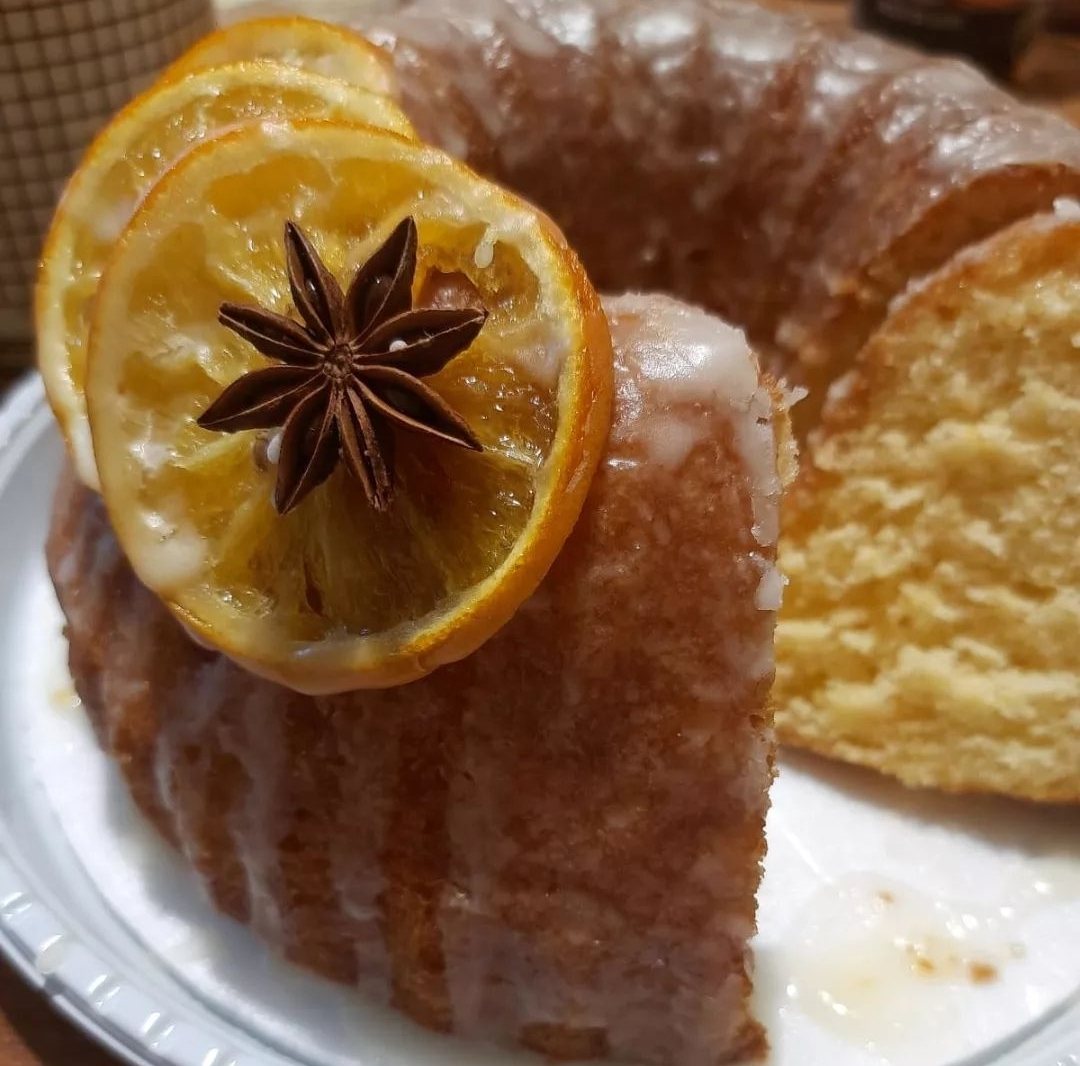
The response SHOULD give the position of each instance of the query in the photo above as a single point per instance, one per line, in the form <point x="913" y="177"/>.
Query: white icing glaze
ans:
<point x="873" y="960"/>
<point x="757" y="443"/>
<point x="179" y="554"/>
<point x="150" y="454"/>
<point x="663" y="29"/>
<point x="273" y="445"/>
<point x="575" y="27"/>
<point x="174" y="734"/>
<point x="669" y="440"/>
<point x="1066" y="207"/>
<point x="484" y="255"/>
<point x="702" y="363"/>
<point x="793" y="394"/>
<point x="107" y="224"/>
<point x="696" y="355"/>
<point x="259" y="747"/>
<point x="770" y="590"/>
<point x="541" y="357"/>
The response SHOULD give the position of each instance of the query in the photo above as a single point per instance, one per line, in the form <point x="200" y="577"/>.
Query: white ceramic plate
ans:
<point x="896" y="927"/>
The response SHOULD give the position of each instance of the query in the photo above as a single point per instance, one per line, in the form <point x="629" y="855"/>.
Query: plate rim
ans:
<point x="30" y="922"/>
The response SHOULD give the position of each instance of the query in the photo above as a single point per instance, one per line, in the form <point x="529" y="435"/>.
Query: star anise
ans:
<point x="349" y="372"/>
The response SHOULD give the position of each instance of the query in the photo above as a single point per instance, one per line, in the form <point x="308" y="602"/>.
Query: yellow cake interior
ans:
<point x="931" y="628"/>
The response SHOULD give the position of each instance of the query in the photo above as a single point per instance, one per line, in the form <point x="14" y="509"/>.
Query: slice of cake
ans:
<point x="931" y="630"/>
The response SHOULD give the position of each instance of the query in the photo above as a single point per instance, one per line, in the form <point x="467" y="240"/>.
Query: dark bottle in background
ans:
<point x="991" y="33"/>
<point x="1063" y="16"/>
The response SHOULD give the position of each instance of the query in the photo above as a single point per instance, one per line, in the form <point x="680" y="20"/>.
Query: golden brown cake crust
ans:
<point x="576" y="871"/>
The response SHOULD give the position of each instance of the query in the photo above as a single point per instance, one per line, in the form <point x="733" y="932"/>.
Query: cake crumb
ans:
<point x="921" y="963"/>
<point x="982" y="973"/>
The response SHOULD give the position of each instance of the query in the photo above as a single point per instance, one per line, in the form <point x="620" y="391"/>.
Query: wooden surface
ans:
<point x="31" y="1034"/>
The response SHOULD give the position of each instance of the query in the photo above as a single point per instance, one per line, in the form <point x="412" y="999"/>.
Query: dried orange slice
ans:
<point x="122" y="163"/>
<point x="337" y="593"/>
<point x="311" y="44"/>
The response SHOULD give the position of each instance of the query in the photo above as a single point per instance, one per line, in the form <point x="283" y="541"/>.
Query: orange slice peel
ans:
<point x="310" y="44"/>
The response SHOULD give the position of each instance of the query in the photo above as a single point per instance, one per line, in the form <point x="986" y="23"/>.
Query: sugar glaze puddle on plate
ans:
<point x="896" y="928"/>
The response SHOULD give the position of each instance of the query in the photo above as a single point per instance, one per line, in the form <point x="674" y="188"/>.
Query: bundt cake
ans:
<point x="555" y="842"/>
<point x="799" y="179"/>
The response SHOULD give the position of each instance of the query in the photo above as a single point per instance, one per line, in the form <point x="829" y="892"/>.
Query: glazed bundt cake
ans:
<point x="555" y="842"/>
<point x="799" y="179"/>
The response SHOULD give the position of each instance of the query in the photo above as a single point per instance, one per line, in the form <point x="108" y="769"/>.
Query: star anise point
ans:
<point x="347" y="376"/>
